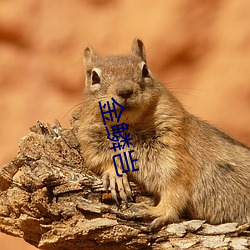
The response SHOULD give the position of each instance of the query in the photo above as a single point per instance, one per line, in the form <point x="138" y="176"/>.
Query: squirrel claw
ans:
<point x="157" y="223"/>
<point x="119" y="186"/>
<point x="142" y="211"/>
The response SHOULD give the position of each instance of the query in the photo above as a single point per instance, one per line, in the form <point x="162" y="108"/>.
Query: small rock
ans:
<point x="178" y="229"/>
<point x="239" y="243"/>
<point x="215" y="241"/>
<point x="220" y="229"/>
<point x="183" y="243"/>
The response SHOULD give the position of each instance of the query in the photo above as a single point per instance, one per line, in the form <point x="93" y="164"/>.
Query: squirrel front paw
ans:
<point x="119" y="186"/>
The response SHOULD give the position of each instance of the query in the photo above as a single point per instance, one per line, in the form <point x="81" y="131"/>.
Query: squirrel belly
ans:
<point x="192" y="167"/>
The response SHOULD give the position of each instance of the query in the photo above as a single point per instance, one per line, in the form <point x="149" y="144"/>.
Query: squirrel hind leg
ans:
<point x="162" y="220"/>
<point x="159" y="214"/>
<point x="168" y="210"/>
<point x="164" y="214"/>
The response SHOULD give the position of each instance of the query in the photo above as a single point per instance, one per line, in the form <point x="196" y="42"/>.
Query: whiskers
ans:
<point x="182" y="92"/>
<point x="72" y="109"/>
<point x="171" y="85"/>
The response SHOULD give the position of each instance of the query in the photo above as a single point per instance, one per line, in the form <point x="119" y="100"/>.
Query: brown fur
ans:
<point x="191" y="166"/>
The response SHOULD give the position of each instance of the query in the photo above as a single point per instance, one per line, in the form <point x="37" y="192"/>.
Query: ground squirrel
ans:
<point x="190" y="166"/>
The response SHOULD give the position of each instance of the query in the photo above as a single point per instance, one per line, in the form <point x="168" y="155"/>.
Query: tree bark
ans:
<point x="50" y="198"/>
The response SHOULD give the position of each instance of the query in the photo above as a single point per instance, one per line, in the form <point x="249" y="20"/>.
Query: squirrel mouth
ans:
<point x="128" y="104"/>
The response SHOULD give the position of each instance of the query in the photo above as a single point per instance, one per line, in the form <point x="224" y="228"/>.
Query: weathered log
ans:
<point x="53" y="201"/>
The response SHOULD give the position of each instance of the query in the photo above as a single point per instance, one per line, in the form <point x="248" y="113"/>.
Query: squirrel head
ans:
<point x="127" y="78"/>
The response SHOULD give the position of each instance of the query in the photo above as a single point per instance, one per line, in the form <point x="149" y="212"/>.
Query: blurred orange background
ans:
<point x="200" y="49"/>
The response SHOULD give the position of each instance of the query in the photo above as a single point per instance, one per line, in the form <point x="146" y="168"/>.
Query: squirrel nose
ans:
<point x="124" y="93"/>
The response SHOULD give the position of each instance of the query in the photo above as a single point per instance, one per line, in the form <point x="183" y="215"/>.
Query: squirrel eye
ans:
<point x="95" y="78"/>
<point x="145" y="72"/>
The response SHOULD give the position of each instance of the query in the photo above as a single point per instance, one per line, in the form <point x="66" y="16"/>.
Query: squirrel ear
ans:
<point x="89" y="57"/>
<point x="138" y="49"/>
